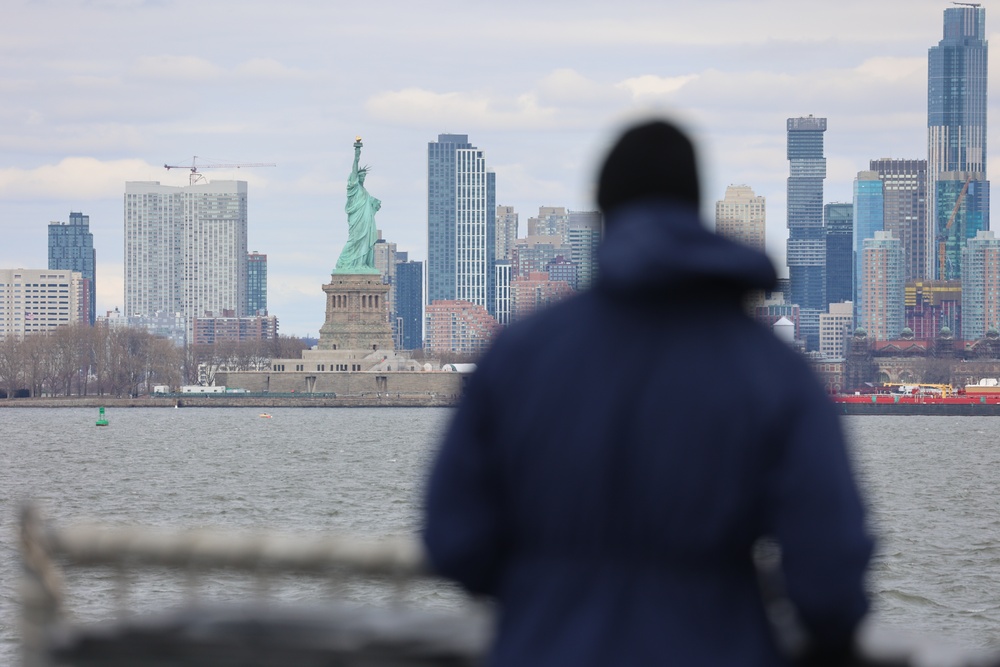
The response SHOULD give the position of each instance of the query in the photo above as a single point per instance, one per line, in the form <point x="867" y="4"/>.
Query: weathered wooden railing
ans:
<point x="257" y="633"/>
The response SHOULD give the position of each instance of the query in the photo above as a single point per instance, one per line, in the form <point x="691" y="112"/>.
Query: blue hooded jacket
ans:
<point x="616" y="457"/>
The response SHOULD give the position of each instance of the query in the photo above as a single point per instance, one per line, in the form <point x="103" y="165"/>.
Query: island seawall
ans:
<point x="234" y="401"/>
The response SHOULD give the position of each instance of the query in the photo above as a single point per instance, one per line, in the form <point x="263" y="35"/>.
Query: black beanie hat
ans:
<point x="654" y="159"/>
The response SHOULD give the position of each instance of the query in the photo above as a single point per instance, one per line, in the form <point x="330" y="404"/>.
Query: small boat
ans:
<point x="264" y="415"/>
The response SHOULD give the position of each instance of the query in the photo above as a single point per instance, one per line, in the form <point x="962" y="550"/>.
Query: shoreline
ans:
<point x="231" y="401"/>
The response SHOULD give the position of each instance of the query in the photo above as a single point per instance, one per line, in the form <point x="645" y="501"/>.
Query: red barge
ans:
<point x="979" y="399"/>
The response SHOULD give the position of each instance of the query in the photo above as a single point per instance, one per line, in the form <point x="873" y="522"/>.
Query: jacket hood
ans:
<point x="659" y="245"/>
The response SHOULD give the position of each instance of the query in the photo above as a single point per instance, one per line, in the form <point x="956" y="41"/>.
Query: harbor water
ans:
<point x="930" y="483"/>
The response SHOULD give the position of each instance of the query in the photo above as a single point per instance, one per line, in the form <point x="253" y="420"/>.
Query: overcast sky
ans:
<point x="99" y="92"/>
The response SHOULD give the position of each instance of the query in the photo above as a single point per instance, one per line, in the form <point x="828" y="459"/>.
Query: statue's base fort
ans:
<point x="357" y="314"/>
<point x="355" y="356"/>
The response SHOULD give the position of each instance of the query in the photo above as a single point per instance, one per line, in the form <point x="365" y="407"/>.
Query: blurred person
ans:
<point x="617" y="458"/>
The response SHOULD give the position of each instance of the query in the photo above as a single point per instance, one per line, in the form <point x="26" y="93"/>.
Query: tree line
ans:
<point x="80" y="360"/>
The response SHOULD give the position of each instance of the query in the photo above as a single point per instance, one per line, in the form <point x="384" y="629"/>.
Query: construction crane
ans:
<point x="197" y="176"/>
<point x="943" y="237"/>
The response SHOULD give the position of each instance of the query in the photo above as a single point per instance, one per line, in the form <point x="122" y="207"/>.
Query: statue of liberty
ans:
<point x="358" y="255"/>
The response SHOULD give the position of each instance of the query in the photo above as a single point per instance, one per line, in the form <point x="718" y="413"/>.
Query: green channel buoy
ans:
<point x="101" y="421"/>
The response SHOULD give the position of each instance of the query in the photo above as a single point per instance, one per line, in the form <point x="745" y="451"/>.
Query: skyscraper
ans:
<point x="882" y="287"/>
<point x="583" y="236"/>
<point x="503" y="279"/>
<point x="963" y="206"/>
<point x="506" y="231"/>
<point x="410" y="305"/>
<point x="904" y="189"/>
<point x="741" y="216"/>
<point x="551" y="221"/>
<point x="838" y="224"/>
<point x="806" y="251"/>
<point x="71" y="247"/>
<point x="461" y="222"/>
<point x="186" y="249"/>
<point x="980" y="285"/>
<point x="386" y="258"/>
<point x="869" y="214"/>
<point x="956" y="138"/>
<point x="256" y="284"/>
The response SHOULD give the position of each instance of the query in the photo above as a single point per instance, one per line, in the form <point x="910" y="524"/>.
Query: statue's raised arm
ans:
<point x="358" y="255"/>
<point x="357" y="156"/>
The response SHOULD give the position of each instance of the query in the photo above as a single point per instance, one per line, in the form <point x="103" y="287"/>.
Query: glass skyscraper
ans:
<point x="869" y="216"/>
<point x="461" y="222"/>
<point x="409" y="305"/>
<point x="838" y="221"/>
<point x="256" y="284"/>
<point x="956" y="137"/>
<point x="71" y="247"/>
<point x="806" y="246"/>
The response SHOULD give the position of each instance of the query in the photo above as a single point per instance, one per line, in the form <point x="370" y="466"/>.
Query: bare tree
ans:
<point x="11" y="369"/>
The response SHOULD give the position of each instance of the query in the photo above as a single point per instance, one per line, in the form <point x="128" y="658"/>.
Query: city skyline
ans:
<point x="108" y="92"/>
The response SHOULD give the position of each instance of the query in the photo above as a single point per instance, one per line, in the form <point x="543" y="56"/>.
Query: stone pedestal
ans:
<point x="357" y="314"/>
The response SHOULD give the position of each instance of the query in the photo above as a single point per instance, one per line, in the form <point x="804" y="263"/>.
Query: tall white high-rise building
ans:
<point x="741" y="216"/>
<point x="186" y="249"/>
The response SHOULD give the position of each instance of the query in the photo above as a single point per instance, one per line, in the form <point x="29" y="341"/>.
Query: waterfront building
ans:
<point x="71" y="247"/>
<point x="459" y="326"/>
<point x="503" y="277"/>
<point x="37" y="300"/>
<point x="461" y="222"/>
<point x="551" y="221"/>
<point x="507" y="225"/>
<point x="171" y="326"/>
<point x="980" y="286"/>
<point x="211" y="330"/>
<point x="408" y="318"/>
<point x="186" y="249"/>
<point x="933" y="305"/>
<point x="904" y="210"/>
<point x="806" y="251"/>
<point x="256" y="284"/>
<point x="386" y="259"/>
<point x="835" y="327"/>
<point x="583" y="236"/>
<point x="869" y="208"/>
<point x="533" y="254"/>
<point x="882" y="287"/>
<point x="838" y="227"/>
<point x="535" y="292"/>
<point x="562" y="269"/>
<point x="956" y="133"/>
<point x="741" y="216"/>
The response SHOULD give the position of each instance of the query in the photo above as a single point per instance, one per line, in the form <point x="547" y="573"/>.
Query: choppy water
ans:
<point x="930" y="482"/>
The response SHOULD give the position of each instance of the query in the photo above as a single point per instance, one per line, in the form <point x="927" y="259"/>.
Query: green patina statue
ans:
<point x="358" y="255"/>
